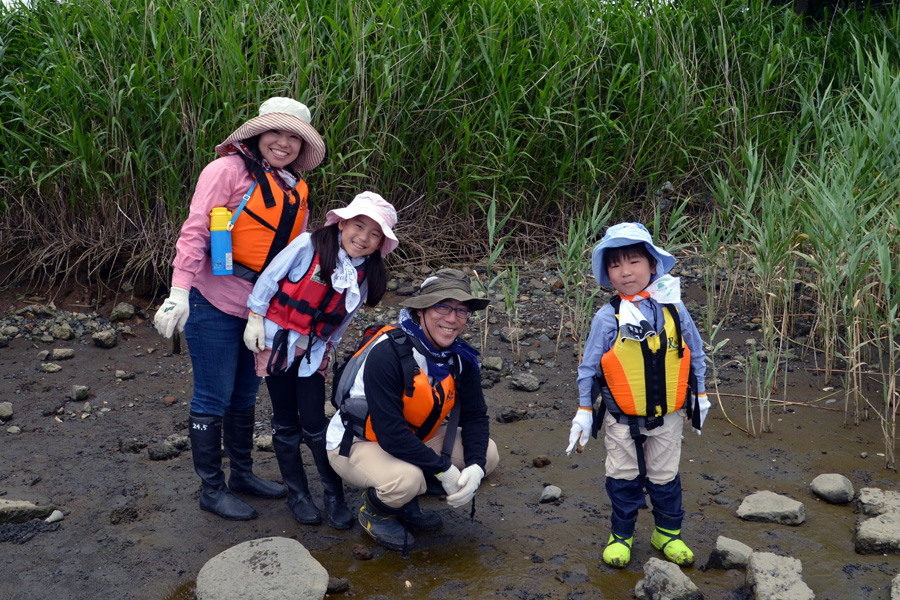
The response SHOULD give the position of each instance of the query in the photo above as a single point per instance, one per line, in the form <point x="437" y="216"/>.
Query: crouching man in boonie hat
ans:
<point x="402" y="431"/>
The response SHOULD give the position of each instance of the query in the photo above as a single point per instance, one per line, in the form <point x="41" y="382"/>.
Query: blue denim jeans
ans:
<point x="224" y="370"/>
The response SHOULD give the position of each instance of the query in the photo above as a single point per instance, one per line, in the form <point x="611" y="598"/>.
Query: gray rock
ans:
<point x="729" y="554"/>
<point x="879" y="535"/>
<point x="4" y="341"/>
<point x="14" y="430"/>
<point x="62" y="354"/>
<point x="262" y="569"/>
<point x="80" y="393"/>
<point x="22" y="511"/>
<point x="62" y="331"/>
<point x="123" y="511"/>
<point x="526" y="382"/>
<point x="511" y="415"/>
<point x="773" y="577"/>
<point x="492" y="363"/>
<point x="769" y="507"/>
<point x="832" y="488"/>
<point x="551" y="493"/>
<point x="43" y="355"/>
<point x="10" y="331"/>
<point x="122" y="312"/>
<point x="50" y="368"/>
<point x="6" y="411"/>
<point x="534" y="356"/>
<point x="511" y="334"/>
<point x="106" y="338"/>
<point x="874" y="501"/>
<point x="56" y="515"/>
<point x="162" y="451"/>
<point x="895" y="588"/>
<point x="665" y="581"/>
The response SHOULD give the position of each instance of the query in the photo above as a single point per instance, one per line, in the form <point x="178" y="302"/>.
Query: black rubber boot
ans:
<point x="237" y="428"/>
<point x="206" y="448"/>
<point x="286" y="442"/>
<point x="339" y="516"/>
<point x="380" y="521"/>
<point x="418" y="520"/>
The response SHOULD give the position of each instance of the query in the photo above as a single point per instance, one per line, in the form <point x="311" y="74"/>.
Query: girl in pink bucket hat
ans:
<point x="299" y="309"/>
<point x="247" y="207"/>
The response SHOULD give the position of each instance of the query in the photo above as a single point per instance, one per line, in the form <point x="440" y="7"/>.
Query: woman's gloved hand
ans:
<point x="173" y="313"/>
<point x="255" y="333"/>
<point x="703" y="404"/>
<point x="450" y="480"/>
<point x="469" y="480"/>
<point x="580" y="432"/>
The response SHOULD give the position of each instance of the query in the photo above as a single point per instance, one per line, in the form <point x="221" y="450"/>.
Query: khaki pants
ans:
<point x="397" y="482"/>
<point x="662" y="449"/>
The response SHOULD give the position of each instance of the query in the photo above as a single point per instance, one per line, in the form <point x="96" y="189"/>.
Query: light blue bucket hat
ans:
<point x="625" y="234"/>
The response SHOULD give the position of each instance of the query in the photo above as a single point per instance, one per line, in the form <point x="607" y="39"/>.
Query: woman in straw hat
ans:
<point x="396" y="442"/>
<point x="256" y="179"/>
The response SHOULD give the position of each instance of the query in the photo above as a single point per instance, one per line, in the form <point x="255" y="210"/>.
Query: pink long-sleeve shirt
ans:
<point x="223" y="182"/>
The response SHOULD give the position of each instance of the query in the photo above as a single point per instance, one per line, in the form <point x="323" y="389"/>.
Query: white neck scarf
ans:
<point x="344" y="277"/>
<point x="632" y="324"/>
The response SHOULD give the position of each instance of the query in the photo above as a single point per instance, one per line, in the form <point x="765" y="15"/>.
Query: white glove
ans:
<point x="255" y="333"/>
<point x="450" y="480"/>
<point x="581" y="428"/>
<point x="703" y="404"/>
<point x="173" y="313"/>
<point x="468" y="482"/>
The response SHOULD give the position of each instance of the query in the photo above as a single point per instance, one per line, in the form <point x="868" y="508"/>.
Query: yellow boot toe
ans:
<point x="618" y="551"/>
<point x="669" y="542"/>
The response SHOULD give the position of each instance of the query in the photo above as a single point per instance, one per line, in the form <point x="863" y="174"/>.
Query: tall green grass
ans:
<point x="785" y="133"/>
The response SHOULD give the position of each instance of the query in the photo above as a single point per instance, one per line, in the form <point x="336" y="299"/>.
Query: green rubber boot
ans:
<point x="669" y="542"/>
<point x="618" y="551"/>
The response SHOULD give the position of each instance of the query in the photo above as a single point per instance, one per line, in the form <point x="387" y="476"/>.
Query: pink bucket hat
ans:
<point x="288" y="115"/>
<point x="376" y="208"/>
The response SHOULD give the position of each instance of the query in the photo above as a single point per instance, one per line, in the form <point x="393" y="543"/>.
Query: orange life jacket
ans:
<point x="271" y="218"/>
<point x="425" y="406"/>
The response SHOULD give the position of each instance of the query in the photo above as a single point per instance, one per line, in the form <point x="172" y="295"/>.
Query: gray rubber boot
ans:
<point x="380" y="521"/>
<point x="339" y="516"/>
<point x="417" y="519"/>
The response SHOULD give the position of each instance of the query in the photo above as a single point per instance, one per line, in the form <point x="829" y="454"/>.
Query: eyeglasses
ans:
<point x="462" y="313"/>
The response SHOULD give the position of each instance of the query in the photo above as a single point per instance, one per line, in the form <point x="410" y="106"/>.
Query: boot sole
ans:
<point x="396" y="547"/>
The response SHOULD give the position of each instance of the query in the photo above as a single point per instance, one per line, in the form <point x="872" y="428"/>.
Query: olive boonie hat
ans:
<point x="288" y="115"/>
<point x="443" y="285"/>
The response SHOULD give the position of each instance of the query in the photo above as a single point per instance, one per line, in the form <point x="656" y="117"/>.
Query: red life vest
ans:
<point x="269" y="221"/>
<point x="310" y="306"/>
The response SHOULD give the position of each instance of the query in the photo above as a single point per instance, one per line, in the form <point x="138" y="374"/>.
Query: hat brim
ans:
<point x="428" y="300"/>
<point x="390" y="238"/>
<point x="311" y="153"/>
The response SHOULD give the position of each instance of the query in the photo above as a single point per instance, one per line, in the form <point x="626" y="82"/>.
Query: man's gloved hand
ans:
<point x="469" y="480"/>
<point x="255" y="333"/>
<point x="450" y="480"/>
<point x="580" y="432"/>
<point x="173" y="313"/>
<point x="703" y="404"/>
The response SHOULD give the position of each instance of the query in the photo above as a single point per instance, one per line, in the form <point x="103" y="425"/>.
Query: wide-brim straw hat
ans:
<point x="625" y="234"/>
<point x="376" y="208"/>
<point x="288" y="115"/>
<point x="446" y="284"/>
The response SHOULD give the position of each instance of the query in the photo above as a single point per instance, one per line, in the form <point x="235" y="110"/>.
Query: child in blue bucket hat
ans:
<point x="644" y="358"/>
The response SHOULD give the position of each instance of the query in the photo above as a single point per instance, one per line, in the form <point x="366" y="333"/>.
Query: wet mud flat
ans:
<point x="94" y="466"/>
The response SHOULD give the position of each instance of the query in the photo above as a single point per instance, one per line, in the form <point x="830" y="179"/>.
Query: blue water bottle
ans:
<point x="220" y="241"/>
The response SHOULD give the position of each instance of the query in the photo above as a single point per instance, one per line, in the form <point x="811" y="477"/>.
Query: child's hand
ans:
<point x="580" y="432"/>
<point x="703" y="404"/>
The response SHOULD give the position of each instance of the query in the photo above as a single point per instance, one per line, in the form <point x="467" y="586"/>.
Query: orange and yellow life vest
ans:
<point x="271" y="218"/>
<point x="649" y="378"/>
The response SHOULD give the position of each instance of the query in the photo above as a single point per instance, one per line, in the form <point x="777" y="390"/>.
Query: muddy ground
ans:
<point x="132" y="528"/>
